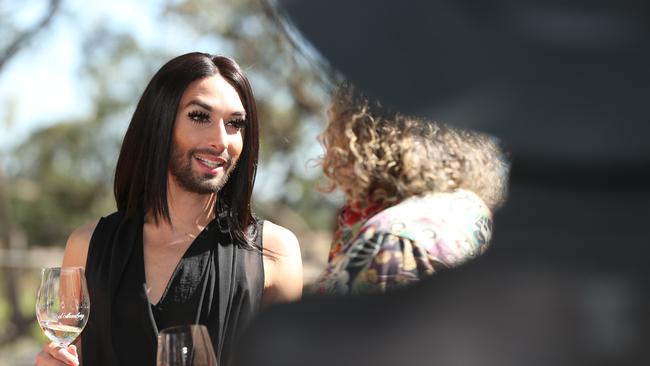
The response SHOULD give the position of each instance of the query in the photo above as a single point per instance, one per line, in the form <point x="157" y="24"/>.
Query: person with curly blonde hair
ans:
<point x="419" y="196"/>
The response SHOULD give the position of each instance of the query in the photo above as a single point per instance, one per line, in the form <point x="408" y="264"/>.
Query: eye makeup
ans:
<point x="199" y="116"/>
<point x="238" y="123"/>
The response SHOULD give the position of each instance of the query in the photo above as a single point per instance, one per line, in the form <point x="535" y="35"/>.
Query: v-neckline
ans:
<point x="171" y="278"/>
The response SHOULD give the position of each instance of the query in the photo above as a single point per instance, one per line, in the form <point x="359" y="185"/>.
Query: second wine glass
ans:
<point x="185" y="345"/>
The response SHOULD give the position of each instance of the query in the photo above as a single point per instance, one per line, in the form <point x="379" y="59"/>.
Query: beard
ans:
<point x="180" y="166"/>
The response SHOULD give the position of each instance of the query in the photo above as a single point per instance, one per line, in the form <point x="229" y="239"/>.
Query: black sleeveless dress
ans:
<point x="217" y="282"/>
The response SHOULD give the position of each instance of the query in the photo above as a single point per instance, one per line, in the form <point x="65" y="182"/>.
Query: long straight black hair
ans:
<point x="141" y="172"/>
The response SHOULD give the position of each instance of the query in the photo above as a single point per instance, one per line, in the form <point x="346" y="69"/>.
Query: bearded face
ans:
<point x="208" y="135"/>
<point x="211" y="174"/>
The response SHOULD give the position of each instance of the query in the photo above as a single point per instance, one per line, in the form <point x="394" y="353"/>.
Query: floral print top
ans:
<point x="406" y="242"/>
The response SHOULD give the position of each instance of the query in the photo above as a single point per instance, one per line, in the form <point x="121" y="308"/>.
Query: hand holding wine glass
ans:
<point x="62" y="305"/>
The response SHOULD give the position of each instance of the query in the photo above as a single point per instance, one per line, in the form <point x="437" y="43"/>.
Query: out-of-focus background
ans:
<point x="71" y="72"/>
<point x="563" y="84"/>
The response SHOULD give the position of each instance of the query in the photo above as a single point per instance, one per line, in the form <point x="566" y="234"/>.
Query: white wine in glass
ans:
<point x="185" y="345"/>
<point x="62" y="303"/>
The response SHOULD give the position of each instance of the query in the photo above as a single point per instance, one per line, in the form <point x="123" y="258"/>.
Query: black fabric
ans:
<point x="119" y="329"/>
<point x="483" y="313"/>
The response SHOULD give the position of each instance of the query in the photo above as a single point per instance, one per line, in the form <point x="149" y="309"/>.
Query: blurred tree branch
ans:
<point x="23" y="38"/>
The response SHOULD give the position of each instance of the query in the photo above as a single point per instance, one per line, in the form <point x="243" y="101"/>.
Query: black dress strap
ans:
<point x="241" y="277"/>
<point x="109" y="250"/>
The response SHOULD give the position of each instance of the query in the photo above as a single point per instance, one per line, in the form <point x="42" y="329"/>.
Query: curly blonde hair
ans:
<point x="382" y="160"/>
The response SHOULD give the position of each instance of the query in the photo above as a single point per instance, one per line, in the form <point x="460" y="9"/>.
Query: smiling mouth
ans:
<point x="212" y="164"/>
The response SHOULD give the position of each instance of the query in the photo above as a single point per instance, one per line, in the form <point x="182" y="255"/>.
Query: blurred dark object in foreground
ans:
<point x="473" y="315"/>
<point x="564" y="85"/>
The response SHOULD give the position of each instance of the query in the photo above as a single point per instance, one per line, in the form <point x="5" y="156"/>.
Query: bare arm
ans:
<point x="282" y="265"/>
<point x="76" y="249"/>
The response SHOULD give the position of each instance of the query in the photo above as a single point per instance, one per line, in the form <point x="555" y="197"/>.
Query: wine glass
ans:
<point x="62" y="303"/>
<point x="185" y="345"/>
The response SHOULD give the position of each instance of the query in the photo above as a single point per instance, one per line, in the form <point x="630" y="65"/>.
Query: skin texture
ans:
<point x="208" y="140"/>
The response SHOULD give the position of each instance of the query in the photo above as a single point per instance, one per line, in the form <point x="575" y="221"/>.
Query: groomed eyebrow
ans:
<point x="241" y="115"/>
<point x="200" y="104"/>
<point x="207" y="107"/>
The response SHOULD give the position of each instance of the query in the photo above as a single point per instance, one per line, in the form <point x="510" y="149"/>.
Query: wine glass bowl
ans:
<point x="62" y="303"/>
<point x="185" y="345"/>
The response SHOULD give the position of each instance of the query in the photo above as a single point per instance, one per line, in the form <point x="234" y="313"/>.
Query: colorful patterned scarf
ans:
<point x="350" y="219"/>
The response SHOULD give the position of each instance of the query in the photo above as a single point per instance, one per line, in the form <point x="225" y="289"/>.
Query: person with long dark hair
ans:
<point x="184" y="246"/>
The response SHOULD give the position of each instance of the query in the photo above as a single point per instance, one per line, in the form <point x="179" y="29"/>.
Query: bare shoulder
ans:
<point x="282" y="264"/>
<point x="76" y="249"/>
<point x="279" y="240"/>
